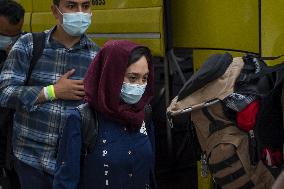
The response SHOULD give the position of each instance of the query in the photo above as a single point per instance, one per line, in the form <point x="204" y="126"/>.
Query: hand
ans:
<point x="68" y="89"/>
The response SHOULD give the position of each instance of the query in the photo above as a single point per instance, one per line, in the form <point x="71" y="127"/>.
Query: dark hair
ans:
<point x="11" y="10"/>
<point x="56" y="2"/>
<point x="137" y="53"/>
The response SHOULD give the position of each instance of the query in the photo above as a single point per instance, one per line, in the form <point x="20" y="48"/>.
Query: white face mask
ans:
<point x="76" y="23"/>
<point x="132" y="93"/>
<point x="5" y="41"/>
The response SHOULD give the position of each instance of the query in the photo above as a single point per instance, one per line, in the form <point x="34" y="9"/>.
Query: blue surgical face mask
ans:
<point x="132" y="93"/>
<point x="76" y="23"/>
<point x="5" y="41"/>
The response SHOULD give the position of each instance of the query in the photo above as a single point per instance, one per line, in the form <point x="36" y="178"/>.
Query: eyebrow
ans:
<point x="70" y="1"/>
<point x="73" y="2"/>
<point x="137" y="74"/>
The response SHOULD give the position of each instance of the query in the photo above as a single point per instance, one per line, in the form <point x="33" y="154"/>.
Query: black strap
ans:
<point x="38" y="46"/>
<point x="215" y="125"/>
<point x="248" y="185"/>
<point x="89" y="131"/>
<point x="148" y="117"/>
<point x="214" y="168"/>
<point x="231" y="177"/>
<point x="207" y="114"/>
<point x="91" y="141"/>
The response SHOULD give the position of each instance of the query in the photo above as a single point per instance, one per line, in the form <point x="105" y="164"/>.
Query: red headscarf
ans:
<point x="104" y="79"/>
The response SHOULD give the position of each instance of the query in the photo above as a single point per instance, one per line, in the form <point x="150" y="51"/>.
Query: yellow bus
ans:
<point x="236" y="25"/>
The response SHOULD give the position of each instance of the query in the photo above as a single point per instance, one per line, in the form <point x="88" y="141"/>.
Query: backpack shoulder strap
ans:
<point x="148" y="117"/>
<point x="38" y="46"/>
<point x="89" y="129"/>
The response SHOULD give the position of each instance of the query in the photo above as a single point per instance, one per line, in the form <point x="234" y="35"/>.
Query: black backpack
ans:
<point x="6" y="123"/>
<point x="268" y="83"/>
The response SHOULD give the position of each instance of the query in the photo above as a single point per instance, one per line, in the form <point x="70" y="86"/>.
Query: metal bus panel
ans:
<point x="226" y="24"/>
<point x="26" y="24"/>
<point x="154" y="45"/>
<point x="27" y="4"/>
<point x="127" y="24"/>
<point x="44" y="5"/>
<point x="272" y="30"/>
<point x="200" y="56"/>
<point x="114" y="4"/>
<point x="41" y="21"/>
<point x="132" y="20"/>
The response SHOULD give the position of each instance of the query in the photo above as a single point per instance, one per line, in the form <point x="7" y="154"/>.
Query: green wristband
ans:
<point x="50" y="92"/>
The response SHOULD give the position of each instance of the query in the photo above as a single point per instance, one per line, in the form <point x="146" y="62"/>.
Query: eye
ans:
<point x="145" y="78"/>
<point x="132" y="78"/>
<point x="70" y="6"/>
<point x="86" y="6"/>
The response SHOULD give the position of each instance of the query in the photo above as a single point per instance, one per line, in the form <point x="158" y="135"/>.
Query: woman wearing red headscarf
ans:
<point x="118" y="87"/>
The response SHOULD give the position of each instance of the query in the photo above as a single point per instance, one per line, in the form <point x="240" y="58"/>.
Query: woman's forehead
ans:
<point x="140" y="66"/>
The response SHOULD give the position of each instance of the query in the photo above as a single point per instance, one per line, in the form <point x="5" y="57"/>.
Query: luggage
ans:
<point x="225" y="99"/>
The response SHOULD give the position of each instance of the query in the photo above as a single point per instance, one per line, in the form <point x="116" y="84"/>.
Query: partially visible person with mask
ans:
<point x="118" y="87"/>
<point x="55" y="85"/>
<point x="11" y="22"/>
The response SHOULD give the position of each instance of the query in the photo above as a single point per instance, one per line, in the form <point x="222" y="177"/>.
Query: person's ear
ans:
<point x="55" y="12"/>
